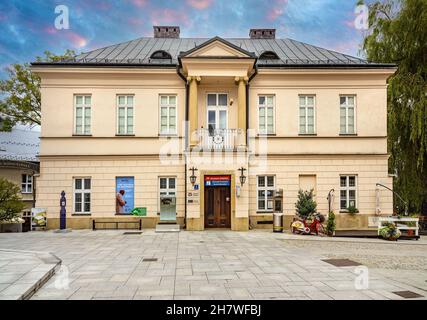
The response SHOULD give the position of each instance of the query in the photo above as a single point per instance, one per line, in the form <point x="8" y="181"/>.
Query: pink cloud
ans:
<point x="50" y="30"/>
<point x="200" y="4"/>
<point x="139" y="3"/>
<point x="169" y="16"/>
<point x="135" y="22"/>
<point x="77" y="40"/>
<point x="277" y="9"/>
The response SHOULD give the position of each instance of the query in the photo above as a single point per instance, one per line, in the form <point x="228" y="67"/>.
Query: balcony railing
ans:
<point x="220" y="139"/>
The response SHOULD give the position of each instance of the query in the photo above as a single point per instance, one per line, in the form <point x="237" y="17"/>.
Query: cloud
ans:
<point x="277" y="9"/>
<point x="200" y="4"/>
<point x="139" y="3"/>
<point x="169" y="16"/>
<point x="77" y="40"/>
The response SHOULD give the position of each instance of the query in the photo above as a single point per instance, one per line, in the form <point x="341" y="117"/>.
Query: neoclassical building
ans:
<point x="230" y="128"/>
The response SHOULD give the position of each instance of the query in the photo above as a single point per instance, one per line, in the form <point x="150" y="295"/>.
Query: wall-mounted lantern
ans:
<point x="193" y="177"/>
<point x="242" y="176"/>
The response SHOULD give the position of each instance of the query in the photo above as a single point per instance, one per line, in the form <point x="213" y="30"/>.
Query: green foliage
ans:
<point x="10" y="200"/>
<point x="305" y="205"/>
<point x="398" y="35"/>
<point x="352" y="210"/>
<point x="21" y="98"/>
<point x="331" y="224"/>
<point x="390" y="232"/>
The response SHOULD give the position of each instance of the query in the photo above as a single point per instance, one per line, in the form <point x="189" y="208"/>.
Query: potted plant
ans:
<point x="331" y="224"/>
<point x="352" y="210"/>
<point x="390" y="232"/>
<point x="305" y="205"/>
<point x="10" y="204"/>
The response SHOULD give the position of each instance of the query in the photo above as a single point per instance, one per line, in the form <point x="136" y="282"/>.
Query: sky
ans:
<point x="27" y="27"/>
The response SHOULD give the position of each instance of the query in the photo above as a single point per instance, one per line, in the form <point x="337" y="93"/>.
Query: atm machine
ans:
<point x="167" y="221"/>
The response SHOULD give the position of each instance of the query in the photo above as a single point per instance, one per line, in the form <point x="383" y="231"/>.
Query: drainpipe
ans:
<point x="247" y="102"/>
<point x="178" y="70"/>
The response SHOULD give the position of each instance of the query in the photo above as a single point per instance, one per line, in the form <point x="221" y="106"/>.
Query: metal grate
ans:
<point x="149" y="260"/>
<point x="132" y="233"/>
<point x="408" y="294"/>
<point x="342" y="262"/>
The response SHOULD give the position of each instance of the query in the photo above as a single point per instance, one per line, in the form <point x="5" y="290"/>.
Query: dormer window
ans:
<point x="269" y="55"/>
<point x="161" y="55"/>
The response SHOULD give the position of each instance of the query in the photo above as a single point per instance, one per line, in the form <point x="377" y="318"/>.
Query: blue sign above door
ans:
<point x="217" y="181"/>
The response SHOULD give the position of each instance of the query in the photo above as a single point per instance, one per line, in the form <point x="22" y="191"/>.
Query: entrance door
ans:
<point x="217" y="204"/>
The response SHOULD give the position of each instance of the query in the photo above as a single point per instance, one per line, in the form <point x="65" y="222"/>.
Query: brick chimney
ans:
<point x="262" y="33"/>
<point x="166" y="32"/>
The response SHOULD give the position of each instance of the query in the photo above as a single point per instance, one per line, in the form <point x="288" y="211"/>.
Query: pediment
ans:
<point x="217" y="48"/>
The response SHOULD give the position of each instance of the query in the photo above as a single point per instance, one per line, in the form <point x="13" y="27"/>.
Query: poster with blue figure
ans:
<point x="125" y="187"/>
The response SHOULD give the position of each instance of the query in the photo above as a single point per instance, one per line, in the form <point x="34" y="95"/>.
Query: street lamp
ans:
<point x="242" y="176"/>
<point x="193" y="177"/>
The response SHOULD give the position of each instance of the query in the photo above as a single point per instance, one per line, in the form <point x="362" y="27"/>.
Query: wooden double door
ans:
<point x="217" y="207"/>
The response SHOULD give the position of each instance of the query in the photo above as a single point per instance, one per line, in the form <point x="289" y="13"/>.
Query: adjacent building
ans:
<point x="225" y="126"/>
<point x="19" y="164"/>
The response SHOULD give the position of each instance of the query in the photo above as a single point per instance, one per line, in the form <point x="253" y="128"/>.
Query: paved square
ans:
<point x="204" y="265"/>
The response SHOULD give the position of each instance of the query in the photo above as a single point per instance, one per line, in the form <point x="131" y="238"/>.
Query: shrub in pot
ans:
<point x="390" y="232"/>
<point x="305" y="205"/>
<point x="352" y="210"/>
<point x="331" y="224"/>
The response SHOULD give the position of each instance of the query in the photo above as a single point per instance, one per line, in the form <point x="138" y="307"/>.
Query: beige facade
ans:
<point x="295" y="160"/>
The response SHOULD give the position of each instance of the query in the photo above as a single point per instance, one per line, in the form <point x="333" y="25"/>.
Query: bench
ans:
<point x="138" y="225"/>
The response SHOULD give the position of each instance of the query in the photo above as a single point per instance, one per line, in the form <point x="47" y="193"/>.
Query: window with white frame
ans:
<point x="347" y="114"/>
<point x="167" y="186"/>
<point x="82" y="195"/>
<point x="266" y="114"/>
<point x="168" y="111"/>
<point x="266" y="187"/>
<point x="348" y="192"/>
<point x="27" y="183"/>
<point x="83" y="109"/>
<point x="125" y="111"/>
<point x="307" y="120"/>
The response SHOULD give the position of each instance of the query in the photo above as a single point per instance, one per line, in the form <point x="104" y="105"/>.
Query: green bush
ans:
<point x="352" y="210"/>
<point x="305" y="205"/>
<point x="10" y="200"/>
<point x="331" y="224"/>
<point x="390" y="232"/>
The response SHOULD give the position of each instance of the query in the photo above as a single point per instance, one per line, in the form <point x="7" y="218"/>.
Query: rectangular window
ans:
<point x="27" y="183"/>
<point x="347" y="114"/>
<point x="167" y="186"/>
<point x="266" y="114"/>
<point x="307" y="120"/>
<point x="82" y="195"/>
<point x="125" y="112"/>
<point x="83" y="107"/>
<point x="348" y="192"/>
<point x="168" y="113"/>
<point x="265" y="193"/>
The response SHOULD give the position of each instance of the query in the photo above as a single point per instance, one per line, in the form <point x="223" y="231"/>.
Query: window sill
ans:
<point x="81" y="135"/>
<point x="267" y="135"/>
<point x="348" y="134"/>
<point x="168" y="135"/>
<point x="307" y="134"/>
<point x="264" y="212"/>
<point x="27" y="193"/>
<point x="81" y="214"/>
<point x="125" y="135"/>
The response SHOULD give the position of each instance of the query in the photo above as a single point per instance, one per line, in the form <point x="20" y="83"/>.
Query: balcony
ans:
<point x="220" y="139"/>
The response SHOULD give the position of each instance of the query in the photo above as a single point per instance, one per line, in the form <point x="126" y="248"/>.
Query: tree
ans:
<point x="398" y="35"/>
<point x="10" y="200"/>
<point x="305" y="205"/>
<point x="21" y="91"/>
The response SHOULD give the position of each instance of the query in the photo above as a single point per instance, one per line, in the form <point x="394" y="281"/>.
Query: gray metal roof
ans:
<point x="20" y="145"/>
<point x="291" y="53"/>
